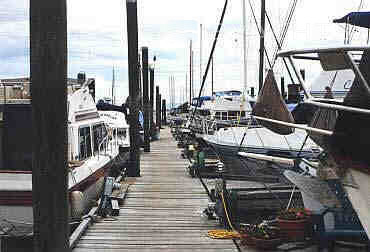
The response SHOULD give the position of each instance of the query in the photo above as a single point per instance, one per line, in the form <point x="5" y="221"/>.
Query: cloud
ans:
<point x="97" y="38"/>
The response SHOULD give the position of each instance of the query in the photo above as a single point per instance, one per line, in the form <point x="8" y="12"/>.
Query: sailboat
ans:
<point x="344" y="134"/>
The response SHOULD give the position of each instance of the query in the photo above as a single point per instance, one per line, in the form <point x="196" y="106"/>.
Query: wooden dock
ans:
<point x="162" y="211"/>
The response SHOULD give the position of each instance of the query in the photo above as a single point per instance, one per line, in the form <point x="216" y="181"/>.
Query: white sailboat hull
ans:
<point x="360" y="197"/>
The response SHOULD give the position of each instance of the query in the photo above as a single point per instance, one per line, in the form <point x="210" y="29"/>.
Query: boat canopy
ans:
<point x="361" y="19"/>
<point x="201" y="100"/>
<point x="228" y="93"/>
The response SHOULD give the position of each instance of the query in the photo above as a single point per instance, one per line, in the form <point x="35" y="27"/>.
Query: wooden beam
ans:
<point x="151" y="99"/>
<point x="48" y="72"/>
<point x="146" y="105"/>
<point x="157" y="108"/>
<point x="133" y="74"/>
<point x="164" y="121"/>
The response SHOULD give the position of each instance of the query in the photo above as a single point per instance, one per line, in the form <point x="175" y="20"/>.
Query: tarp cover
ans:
<point x="270" y="104"/>
<point x="361" y="19"/>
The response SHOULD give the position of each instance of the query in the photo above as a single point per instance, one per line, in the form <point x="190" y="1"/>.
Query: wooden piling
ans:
<point x="133" y="74"/>
<point x="160" y="111"/>
<point x="157" y="108"/>
<point x="48" y="73"/>
<point x="146" y="105"/>
<point x="164" y="119"/>
<point x="282" y="87"/>
<point x="151" y="99"/>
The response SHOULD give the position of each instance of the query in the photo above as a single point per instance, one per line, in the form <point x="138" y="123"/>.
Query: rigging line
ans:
<point x="268" y="188"/>
<point x="279" y="47"/>
<point x="286" y="18"/>
<point x="333" y="80"/>
<point x="209" y="59"/>
<point x="286" y="26"/>
<point x="351" y="33"/>
<point x="259" y="32"/>
<point x="289" y="21"/>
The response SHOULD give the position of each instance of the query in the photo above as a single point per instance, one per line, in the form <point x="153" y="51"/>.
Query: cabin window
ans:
<point x="224" y="115"/>
<point x="99" y="133"/>
<point x="233" y="115"/>
<point x="122" y="134"/>
<point x="218" y="115"/>
<point x="85" y="142"/>
<point x="204" y="112"/>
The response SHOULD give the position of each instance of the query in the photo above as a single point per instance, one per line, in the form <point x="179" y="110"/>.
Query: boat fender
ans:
<point x="77" y="201"/>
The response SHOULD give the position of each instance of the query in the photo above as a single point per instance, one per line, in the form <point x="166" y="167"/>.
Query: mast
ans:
<point x="244" y="52"/>
<point x="190" y="75"/>
<point x="212" y="79"/>
<point x="186" y="87"/>
<point x="262" y="43"/>
<point x="113" y="82"/>
<point x="200" y="55"/>
<point x="169" y="91"/>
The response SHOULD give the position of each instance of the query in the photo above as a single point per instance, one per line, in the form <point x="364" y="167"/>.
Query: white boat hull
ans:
<point x="360" y="197"/>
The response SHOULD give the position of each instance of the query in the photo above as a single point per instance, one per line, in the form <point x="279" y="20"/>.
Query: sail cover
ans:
<point x="361" y="19"/>
<point x="270" y="104"/>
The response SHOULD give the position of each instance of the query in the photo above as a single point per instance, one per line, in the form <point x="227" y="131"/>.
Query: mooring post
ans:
<point x="146" y="105"/>
<point x="151" y="99"/>
<point x="160" y="111"/>
<point x="282" y="87"/>
<point x="48" y="73"/>
<point x="164" y="122"/>
<point x="133" y="75"/>
<point x="165" y="111"/>
<point x="157" y="109"/>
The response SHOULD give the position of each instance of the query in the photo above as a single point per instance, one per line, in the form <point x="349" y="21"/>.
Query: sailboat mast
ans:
<point x="200" y="55"/>
<point x="244" y="51"/>
<point x="186" y="88"/>
<point x="262" y="43"/>
<point x="190" y="75"/>
<point x="212" y="79"/>
<point x="113" y="83"/>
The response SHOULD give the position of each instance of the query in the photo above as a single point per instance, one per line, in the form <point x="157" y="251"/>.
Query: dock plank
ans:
<point x="162" y="210"/>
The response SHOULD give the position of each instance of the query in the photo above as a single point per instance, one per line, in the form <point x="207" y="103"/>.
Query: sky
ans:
<point x="97" y="39"/>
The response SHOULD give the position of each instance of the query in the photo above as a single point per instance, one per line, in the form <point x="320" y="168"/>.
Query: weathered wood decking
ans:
<point x="162" y="210"/>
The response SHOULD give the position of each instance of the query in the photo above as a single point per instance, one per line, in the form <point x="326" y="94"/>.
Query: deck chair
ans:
<point x="346" y="226"/>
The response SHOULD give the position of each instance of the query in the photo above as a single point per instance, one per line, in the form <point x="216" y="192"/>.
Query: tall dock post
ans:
<point x="133" y="74"/>
<point x="48" y="72"/>
<point x="160" y="111"/>
<point x="146" y="105"/>
<point x="164" y="119"/>
<point x="157" y="109"/>
<point x="151" y="99"/>
<point x="282" y="87"/>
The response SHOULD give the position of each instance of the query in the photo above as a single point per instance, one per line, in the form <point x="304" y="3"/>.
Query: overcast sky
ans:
<point x="97" y="38"/>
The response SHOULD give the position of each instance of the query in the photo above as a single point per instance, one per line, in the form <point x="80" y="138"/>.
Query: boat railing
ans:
<point x="103" y="143"/>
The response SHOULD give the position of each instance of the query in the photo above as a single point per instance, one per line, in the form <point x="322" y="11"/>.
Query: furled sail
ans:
<point x="270" y="104"/>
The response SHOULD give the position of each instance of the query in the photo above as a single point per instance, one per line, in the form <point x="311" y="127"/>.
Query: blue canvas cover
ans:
<point x="361" y="19"/>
